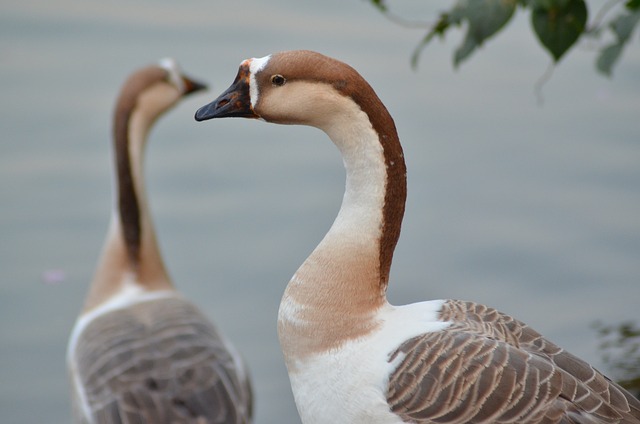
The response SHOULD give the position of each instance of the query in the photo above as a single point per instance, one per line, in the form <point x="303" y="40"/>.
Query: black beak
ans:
<point x="191" y="85"/>
<point x="234" y="102"/>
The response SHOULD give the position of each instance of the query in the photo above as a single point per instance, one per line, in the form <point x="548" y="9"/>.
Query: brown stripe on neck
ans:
<point x="128" y="205"/>
<point x="396" y="183"/>
<point x="128" y="202"/>
<point x="351" y="84"/>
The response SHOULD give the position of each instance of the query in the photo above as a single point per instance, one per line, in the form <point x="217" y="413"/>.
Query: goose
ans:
<point x="140" y="351"/>
<point x="351" y="356"/>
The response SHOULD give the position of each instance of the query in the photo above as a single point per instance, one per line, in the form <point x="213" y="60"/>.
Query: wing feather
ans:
<point x="490" y="368"/>
<point x="160" y="361"/>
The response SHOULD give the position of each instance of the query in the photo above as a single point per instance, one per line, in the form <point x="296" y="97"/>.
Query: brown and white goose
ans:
<point x="140" y="352"/>
<point x="351" y="356"/>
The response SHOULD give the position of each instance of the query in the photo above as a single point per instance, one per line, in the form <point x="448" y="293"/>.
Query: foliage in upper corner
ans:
<point x="622" y="27"/>
<point x="557" y="24"/>
<point x="484" y="18"/>
<point x="380" y="5"/>
<point x="620" y="347"/>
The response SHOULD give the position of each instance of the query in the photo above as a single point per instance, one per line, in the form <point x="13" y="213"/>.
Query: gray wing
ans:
<point x="490" y="368"/>
<point x="159" y="361"/>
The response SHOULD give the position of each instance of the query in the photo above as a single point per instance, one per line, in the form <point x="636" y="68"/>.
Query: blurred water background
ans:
<point x="531" y="209"/>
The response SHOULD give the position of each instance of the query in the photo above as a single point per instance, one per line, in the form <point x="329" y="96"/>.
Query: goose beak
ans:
<point x="234" y="102"/>
<point x="191" y="85"/>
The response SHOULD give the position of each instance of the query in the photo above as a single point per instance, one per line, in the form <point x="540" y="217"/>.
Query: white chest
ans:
<point x="349" y="384"/>
<point x="345" y="386"/>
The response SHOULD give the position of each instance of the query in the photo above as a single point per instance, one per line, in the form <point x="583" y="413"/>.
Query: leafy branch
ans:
<point x="557" y="24"/>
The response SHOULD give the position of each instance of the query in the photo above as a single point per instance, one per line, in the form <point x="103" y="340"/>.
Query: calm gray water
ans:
<point x="533" y="210"/>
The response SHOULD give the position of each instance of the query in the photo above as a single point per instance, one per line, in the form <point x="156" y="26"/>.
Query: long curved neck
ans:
<point x="370" y="217"/>
<point x="344" y="280"/>
<point x="130" y="253"/>
<point x="131" y="209"/>
<point x="361" y="228"/>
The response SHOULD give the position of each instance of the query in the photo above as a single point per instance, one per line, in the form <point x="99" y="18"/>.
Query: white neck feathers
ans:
<point x="334" y="294"/>
<point x="360" y="216"/>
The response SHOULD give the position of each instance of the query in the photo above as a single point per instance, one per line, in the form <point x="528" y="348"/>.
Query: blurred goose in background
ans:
<point x="140" y="352"/>
<point x="351" y="356"/>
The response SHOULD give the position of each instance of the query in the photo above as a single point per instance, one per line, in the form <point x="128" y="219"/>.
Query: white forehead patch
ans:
<point x="175" y="74"/>
<point x="256" y="65"/>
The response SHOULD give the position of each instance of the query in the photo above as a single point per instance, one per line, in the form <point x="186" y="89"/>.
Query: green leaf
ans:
<point x="623" y="25"/>
<point x="484" y="18"/>
<point x="440" y="28"/>
<point x="633" y="5"/>
<point x="558" y="24"/>
<point x="608" y="57"/>
<point x="380" y="5"/>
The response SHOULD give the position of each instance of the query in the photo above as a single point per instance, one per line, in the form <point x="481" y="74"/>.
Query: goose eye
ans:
<point x="278" y="80"/>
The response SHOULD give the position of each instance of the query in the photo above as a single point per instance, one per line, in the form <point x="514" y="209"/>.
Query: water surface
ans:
<point x="533" y="210"/>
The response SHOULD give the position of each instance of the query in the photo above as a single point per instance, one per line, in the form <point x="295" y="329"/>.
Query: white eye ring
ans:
<point x="278" y="80"/>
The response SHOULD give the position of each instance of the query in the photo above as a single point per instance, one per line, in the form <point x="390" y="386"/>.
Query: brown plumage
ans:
<point x="351" y="356"/>
<point x="489" y="367"/>
<point x="160" y="362"/>
<point x="140" y="352"/>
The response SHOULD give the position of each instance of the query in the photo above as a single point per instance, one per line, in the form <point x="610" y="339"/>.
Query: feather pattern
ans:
<point x="491" y="368"/>
<point x="160" y="361"/>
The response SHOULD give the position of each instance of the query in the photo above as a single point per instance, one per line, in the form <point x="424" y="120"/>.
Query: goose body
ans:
<point x="139" y="351"/>
<point x="351" y="356"/>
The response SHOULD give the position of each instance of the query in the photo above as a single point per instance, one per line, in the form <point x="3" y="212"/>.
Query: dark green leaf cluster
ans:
<point x="484" y="18"/>
<point x="557" y="24"/>
<point x="622" y="27"/>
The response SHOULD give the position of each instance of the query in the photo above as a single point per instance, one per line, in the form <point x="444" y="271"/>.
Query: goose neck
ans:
<point x="334" y="295"/>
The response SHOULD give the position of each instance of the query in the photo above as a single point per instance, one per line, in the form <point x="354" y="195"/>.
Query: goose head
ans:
<point x="154" y="89"/>
<point x="308" y="88"/>
<point x="292" y="87"/>
<point x="144" y="97"/>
